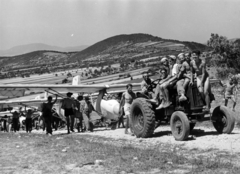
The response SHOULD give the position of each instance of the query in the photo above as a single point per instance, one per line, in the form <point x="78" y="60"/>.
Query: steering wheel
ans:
<point x="153" y="85"/>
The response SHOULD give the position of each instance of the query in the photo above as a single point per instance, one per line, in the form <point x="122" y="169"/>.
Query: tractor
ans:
<point x="181" y="116"/>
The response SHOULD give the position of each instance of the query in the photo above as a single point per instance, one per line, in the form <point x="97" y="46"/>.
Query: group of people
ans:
<point x="74" y="110"/>
<point x="181" y="71"/>
<point x="14" y="122"/>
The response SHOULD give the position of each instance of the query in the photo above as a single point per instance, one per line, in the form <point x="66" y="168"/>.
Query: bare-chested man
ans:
<point x="126" y="101"/>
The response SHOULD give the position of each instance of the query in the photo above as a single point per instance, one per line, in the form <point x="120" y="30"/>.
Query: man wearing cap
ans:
<point x="145" y="84"/>
<point x="47" y="114"/>
<point x="68" y="105"/>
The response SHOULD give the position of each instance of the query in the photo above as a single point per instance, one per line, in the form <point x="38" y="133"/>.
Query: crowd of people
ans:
<point x="181" y="71"/>
<point x="17" y="119"/>
<point x="77" y="113"/>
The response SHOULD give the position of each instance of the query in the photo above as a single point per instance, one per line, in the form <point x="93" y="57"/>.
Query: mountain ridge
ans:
<point x="115" y="49"/>
<point x="28" y="48"/>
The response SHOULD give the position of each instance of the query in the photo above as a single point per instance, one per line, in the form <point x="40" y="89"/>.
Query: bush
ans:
<point x="223" y="72"/>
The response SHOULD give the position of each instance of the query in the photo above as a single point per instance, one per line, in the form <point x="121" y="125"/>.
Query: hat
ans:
<point x="180" y="55"/>
<point x="164" y="59"/>
<point x="69" y="93"/>
<point x="172" y="57"/>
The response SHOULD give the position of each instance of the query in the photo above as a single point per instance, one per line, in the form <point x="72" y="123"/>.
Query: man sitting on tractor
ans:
<point x="184" y="77"/>
<point x="167" y="82"/>
<point x="158" y="97"/>
<point x="145" y="84"/>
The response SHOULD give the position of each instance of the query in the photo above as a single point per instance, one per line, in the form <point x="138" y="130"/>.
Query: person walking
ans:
<point x="5" y="125"/>
<point x="47" y="114"/>
<point x="86" y="109"/>
<point x="79" y="113"/>
<point x="68" y="105"/>
<point x="15" y="120"/>
<point x="28" y="121"/>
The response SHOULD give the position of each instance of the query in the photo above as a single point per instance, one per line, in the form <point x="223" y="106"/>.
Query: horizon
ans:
<point x="63" y="23"/>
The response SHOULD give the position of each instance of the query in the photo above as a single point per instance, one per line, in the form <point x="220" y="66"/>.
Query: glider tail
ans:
<point x="76" y="80"/>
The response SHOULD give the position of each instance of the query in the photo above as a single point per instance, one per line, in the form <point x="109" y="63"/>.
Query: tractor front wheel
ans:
<point x="142" y="118"/>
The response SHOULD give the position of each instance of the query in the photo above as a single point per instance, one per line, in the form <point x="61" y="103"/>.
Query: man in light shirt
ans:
<point x="173" y="64"/>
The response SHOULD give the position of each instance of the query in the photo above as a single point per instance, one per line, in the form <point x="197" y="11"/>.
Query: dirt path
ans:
<point x="202" y="138"/>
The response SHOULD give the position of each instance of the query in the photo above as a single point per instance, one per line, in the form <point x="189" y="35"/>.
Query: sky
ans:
<point x="67" y="23"/>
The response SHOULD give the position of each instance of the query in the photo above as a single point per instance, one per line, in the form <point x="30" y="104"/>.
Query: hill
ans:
<point x="111" y="50"/>
<point x="136" y="44"/>
<point x="23" y="49"/>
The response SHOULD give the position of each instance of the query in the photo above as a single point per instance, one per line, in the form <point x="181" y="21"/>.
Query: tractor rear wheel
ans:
<point x="222" y="120"/>
<point x="142" y="118"/>
<point x="180" y="125"/>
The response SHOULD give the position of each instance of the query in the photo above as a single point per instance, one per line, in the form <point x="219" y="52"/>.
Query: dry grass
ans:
<point x="36" y="153"/>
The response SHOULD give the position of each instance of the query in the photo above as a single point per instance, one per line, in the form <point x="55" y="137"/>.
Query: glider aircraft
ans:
<point x="106" y="108"/>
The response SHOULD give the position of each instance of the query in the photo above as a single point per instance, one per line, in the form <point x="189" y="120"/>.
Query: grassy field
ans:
<point x="38" y="153"/>
<point x="85" y="154"/>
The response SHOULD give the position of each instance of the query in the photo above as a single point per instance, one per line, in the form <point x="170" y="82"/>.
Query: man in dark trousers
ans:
<point x="47" y="114"/>
<point x="68" y="104"/>
<point x="5" y="119"/>
<point x="15" y="120"/>
<point x="28" y="121"/>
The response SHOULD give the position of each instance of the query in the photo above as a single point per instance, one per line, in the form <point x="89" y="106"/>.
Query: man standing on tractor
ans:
<point x="126" y="101"/>
<point x="203" y="82"/>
